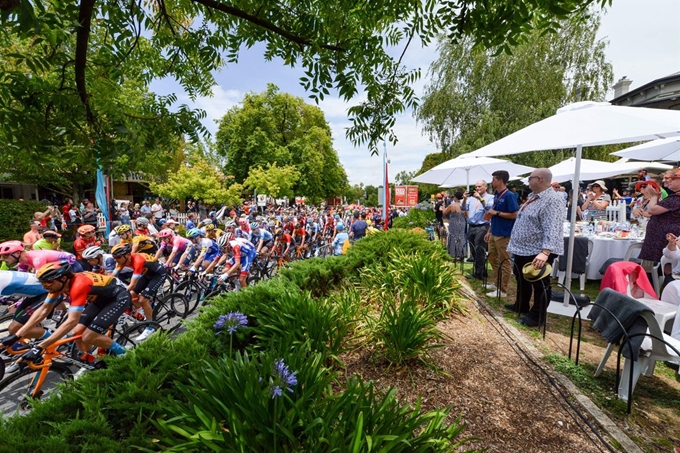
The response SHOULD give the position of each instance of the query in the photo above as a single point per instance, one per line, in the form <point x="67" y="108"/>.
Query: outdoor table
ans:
<point x="605" y="247"/>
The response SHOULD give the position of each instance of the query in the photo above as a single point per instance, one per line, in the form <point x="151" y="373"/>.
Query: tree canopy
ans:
<point x="274" y="181"/>
<point x="477" y="95"/>
<point x="278" y="128"/>
<point x="75" y="57"/>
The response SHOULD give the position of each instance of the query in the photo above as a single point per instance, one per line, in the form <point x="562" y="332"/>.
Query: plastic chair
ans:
<point x="656" y="346"/>
<point x="582" y="277"/>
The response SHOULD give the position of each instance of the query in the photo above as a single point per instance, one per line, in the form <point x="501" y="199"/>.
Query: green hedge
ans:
<point x="418" y="217"/>
<point x="15" y="217"/>
<point x="128" y="405"/>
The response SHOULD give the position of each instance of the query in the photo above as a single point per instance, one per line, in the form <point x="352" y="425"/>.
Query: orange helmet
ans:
<point x="85" y="229"/>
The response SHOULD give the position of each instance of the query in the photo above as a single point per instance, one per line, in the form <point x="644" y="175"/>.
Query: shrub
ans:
<point x="418" y="217"/>
<point x="15" y="217"/>
<point x="231" y="407"/>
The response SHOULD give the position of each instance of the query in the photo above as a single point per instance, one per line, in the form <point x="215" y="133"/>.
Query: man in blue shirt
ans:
<point x="359" y="226"/>
<point x="503" y="213"/>
<point x="476" y="205"/>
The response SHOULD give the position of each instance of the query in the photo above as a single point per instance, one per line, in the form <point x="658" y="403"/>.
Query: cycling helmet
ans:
<point x="166" y="233"/>
<point x="209" y="227"/>
<point x="85" y="229"/>
<point x="142" y="222"/>
<point x="194" y="233"/>
<point x="10" y="247"/>
<point x="278" y="232"/>
<point x="254" y="225"/>
<point x="162" y="222"/>
<point x="91" y="253"/>
<point x="54" y="270"/>
<point x="271" y="224"/>
<point x="223" y="241"/>
<point x="206" y="222"/>
<point x="243" y="221"/>
<point x="120" y="229"/>
<point x="121" y="249"/>
<point x="212" y="214"/>
<point x="230" y="224"/>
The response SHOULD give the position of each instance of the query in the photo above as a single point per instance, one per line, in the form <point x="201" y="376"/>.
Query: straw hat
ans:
<point x="531" y="274"/>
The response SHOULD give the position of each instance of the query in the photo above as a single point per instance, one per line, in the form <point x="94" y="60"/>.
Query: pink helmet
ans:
<point x="243" y="221"/>
<point x="166" y="233"/>
<point x="10" y="247"/>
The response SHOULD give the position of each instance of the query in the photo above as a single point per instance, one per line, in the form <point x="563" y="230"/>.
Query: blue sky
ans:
<point x="644" y="44"/>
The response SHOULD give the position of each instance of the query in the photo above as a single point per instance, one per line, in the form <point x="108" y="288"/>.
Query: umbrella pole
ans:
<point x="572" y="231"/>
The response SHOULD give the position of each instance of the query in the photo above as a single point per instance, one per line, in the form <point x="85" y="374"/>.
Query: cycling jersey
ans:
<point x="141" y="264"/>
<point x="244" y="253"/>
<point x="80" y="244"/>
<point x="109" y="266"/>
<point x="263" y="235"/>
<point x="242" y="234"/>
<point x="299" y="233"/>
<point x="210" y="248"/>
<point x="38" y="258"/>
<point x="88" y="287"/>
<point x="179" y="244"/>
<point x="21" y="284"/>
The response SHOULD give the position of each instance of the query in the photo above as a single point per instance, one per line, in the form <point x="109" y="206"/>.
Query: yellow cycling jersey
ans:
<point x="140" y="243"/>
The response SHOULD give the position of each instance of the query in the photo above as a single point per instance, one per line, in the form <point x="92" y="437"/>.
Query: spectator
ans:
<point x="172" y="212"/>
<point x="439" y="213"/>
<point x="643" y="176"/>
<point x="359" y="226"/>
<point x="503" y="214"/>
<point x="136" y="212"/>
<point x="597" y="201"/>
<point x="65" y="211"/>
<point x="33" y="235"/>
<point x="114" y="239"/>
<point x="456" y="235"/>
<point x="157" y="211"/>
<point x="89" y="214"/>
<point x="664" y="218"/>
<point x="50" y="241"/>
<point x="536" y="238"/>
<point x="124" y="214"/>
<point x="559" y="189"/>
<point x="191" y="217"/>
<point x="146" y="208"/>
<point x="476" y="205"/>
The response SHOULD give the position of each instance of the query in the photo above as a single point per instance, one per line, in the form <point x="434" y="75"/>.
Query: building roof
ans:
<point x="673" y="78"/>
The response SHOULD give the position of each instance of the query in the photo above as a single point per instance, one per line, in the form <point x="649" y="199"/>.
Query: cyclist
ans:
<point x="209" y="250"/>
<point x="140" y="243"/>
<point x="243" y="255"/>
<point x="147" y="277"/>
<point x="26" y="286"/>
<point x="284" y="239"/>
<point x="213" y="233"/>
<point x="103" y="263"/>
<point x="97" y="301"/>
<point x="265" y="240"/>
<point x="299" y="236"/>
<point x="243" y="230"/>
<point x="85" y="240"/>
<point x="12" y="252"/>
<point x="50" y="241"/>
<point x="178" y="244"/>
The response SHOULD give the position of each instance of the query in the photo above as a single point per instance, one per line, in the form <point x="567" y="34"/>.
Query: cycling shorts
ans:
<point x="28" y="306"/>
<point x="148" y="284"/>
<point x="99" y="315"/>
<point x="211" y="256"/>
<point x="247" y="261"/>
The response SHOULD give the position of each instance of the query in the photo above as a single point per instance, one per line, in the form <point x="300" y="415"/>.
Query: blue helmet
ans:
<point x="194" y="233"/>
<point x="212" y="214"/>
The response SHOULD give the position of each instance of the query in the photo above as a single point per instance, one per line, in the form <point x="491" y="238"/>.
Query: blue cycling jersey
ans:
<point x="23" y="284"/>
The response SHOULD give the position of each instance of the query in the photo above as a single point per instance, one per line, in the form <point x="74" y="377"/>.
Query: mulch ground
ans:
<point x="504" y="396"/>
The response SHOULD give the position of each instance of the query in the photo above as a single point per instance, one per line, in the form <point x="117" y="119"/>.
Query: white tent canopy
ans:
<point x="586" y="124"/>
<point x="667" y="149"/>
<point x="465" y="169"/>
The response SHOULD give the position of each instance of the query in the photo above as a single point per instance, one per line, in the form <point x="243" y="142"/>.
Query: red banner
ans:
<point x="400" y="195"/>
<point x="411" y="195"/>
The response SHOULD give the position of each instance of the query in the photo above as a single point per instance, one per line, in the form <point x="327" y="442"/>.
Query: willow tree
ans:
<point x="477" y="95"/>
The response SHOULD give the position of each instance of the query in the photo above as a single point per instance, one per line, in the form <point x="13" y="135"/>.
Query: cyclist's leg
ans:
<point x="95" y="333"/>
<point x="23" y="314"/>
<point x="142" y="301"/>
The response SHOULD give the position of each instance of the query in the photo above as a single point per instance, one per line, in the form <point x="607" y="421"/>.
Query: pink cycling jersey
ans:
<point x="38" y="258"/>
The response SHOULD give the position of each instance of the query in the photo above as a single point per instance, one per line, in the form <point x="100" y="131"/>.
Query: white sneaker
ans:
<point x="144" y="335"/>
<point x="12" y="368"/>
<point x="490" y="287"/>
<point x="494" y="293"/>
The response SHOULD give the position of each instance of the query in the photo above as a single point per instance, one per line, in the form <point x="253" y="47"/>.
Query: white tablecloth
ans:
<point x="603" y="249"/>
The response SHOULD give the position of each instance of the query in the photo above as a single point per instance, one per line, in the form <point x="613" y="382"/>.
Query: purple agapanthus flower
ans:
<point x="231" y="321"/>
<point x="283" y="379"/>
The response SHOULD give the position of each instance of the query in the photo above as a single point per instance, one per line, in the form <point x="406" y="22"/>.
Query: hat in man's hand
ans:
<point x="531" y="274"/>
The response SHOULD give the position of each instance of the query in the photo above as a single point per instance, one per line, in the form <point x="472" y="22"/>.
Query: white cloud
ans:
<point x="215" y="106"/>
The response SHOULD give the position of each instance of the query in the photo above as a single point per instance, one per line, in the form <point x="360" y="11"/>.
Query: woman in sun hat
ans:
<point x="597" y="201"/>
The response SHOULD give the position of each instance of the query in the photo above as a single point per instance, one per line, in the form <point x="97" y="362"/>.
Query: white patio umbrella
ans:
<point x="593" y="169"/>
<point x="667" y="149"/>
<point x="463" y="169"/>
<point x="586" y="124"/>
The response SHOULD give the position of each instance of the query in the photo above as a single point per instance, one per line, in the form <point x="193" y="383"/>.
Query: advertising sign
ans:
<point x="400" y="195"/>
<point x="411" y="195"/>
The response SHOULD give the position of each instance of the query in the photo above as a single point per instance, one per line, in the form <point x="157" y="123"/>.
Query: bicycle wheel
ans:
<point x="15" y="388"/>
<point x="167" y="287"/>
<point x="170" y="311"/>
<point x="128" y="337"/>
<point x="192" y="292"/>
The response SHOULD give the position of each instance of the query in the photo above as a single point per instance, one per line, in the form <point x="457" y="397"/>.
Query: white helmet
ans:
<point x="142" y="221"/>
<point x="224" y="239"/>
<point x="91" y="253"/>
